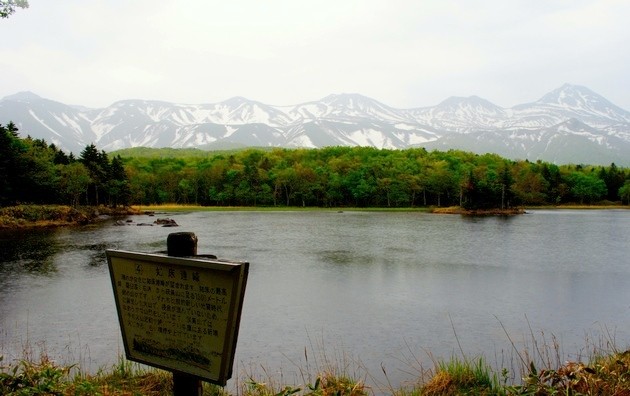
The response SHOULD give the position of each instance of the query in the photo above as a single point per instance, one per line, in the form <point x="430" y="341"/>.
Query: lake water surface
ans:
<point x="377" y="291"/>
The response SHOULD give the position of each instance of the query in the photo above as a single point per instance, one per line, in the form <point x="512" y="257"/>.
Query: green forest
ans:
<point x="34" y="171"/>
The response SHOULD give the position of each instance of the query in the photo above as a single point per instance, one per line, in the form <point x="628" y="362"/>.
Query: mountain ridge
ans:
<point x="348" y="119"/>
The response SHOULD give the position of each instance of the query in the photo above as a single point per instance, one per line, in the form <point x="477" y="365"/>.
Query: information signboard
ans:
<point x="179" y="314"/>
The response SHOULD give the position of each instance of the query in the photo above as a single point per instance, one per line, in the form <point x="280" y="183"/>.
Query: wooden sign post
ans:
<point x="179" y="312"/>
<point x="180" y="245"/>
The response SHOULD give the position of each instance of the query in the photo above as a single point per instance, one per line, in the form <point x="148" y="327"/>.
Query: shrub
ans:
<point x="34" y="378"/>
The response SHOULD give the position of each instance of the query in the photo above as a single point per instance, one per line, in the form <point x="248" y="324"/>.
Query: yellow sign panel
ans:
<point x="179" y="314"/>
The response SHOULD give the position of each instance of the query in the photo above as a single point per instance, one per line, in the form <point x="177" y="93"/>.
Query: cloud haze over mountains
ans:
<point x="571" y="124"/>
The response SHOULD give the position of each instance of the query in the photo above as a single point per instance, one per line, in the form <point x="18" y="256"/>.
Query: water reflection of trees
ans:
<point x="28" y="251"/>
<point x="96" y="253"/>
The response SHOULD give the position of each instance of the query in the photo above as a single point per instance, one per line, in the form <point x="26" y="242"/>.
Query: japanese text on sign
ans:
<point x="177" y="313"/>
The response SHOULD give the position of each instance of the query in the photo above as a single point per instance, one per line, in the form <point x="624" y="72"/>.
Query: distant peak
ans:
<point x="135" y="102"/>
<point x="345" y="97"/>
<point x="352" y="100"/>
<point x="24" y="96"/>
<point x="574" y="88"/>
<point x="455" y="99"/>
<point x="570" y="94"/>
<point x="469" y="101"/>
<point x="237" y="100"/>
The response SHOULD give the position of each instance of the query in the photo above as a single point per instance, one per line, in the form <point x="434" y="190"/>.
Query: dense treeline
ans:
<point x="36" y="172"/>
<point x="32" y="171"/>
<point x="364" y="176"/>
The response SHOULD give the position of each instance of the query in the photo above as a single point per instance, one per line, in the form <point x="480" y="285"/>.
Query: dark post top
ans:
<point x="182" y="244"/>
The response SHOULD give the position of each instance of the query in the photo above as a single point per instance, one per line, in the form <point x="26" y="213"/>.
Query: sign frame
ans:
<point x="220" y="287"/>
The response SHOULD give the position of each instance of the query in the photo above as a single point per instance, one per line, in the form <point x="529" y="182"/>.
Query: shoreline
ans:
<point x="427" y="209"/>
<point x="56" y="216"/>
<point x="24" y="217"/>
<point x="479" y="212"/>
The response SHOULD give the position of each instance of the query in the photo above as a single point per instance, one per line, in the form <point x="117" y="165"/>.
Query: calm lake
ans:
<point x="374" y="291"/>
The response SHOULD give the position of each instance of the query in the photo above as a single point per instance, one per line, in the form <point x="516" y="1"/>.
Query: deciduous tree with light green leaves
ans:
<point x="586" y="187"/>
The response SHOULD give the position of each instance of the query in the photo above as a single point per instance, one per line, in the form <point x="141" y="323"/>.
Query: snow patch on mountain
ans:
<point x="569" y="118"/>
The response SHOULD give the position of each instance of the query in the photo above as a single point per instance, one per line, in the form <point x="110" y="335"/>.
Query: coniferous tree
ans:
<point x="11" y="164"/>
<point x="97" y="165"/>
<point x="118" y="184"/>
<point x="60" y="158"/>
<point x="614" y="179"/>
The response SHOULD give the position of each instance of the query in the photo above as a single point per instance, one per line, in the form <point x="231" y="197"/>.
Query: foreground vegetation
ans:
<point x="604" y="374"/>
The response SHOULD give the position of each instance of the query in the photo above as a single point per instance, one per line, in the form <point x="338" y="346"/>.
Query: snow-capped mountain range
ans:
<point x="571" y="124"/>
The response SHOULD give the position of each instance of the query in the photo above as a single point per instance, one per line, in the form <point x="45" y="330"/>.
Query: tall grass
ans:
<point x="321" y="372"/>
<point x="461" y="377"/>
<point x="539" y="366"/>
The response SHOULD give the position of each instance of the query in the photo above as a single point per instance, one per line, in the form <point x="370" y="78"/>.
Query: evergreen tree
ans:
<point x="97" y="165"/>
<point x="11" y="165"/>
<point x="60" y="158"/>
<point x="118" y="188"/>
<point x="614" y="179"/>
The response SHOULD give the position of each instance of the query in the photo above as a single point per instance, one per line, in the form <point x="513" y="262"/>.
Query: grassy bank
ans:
<point x="604" y="374"/>
<point x="25" y="216"/>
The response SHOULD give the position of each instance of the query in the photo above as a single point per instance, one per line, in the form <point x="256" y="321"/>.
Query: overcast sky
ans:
<point x="404" y="53"/>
